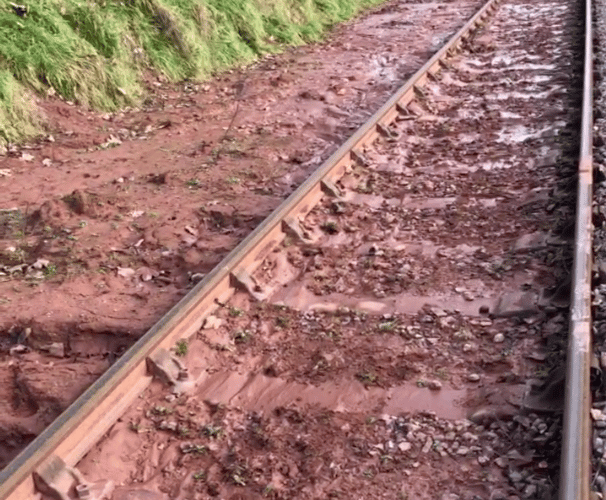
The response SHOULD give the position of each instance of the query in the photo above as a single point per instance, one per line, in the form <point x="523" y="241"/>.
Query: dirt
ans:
<point x="111" y="218"/>
<point x="409" y="345"/>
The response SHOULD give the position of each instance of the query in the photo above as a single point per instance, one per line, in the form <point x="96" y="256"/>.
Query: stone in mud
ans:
<point x="499" y="338"/>
<point x="434" y="385"/>
<point x="56" y="349"/>
<point x="532" y="241"/>
<point x="517" y="304"/>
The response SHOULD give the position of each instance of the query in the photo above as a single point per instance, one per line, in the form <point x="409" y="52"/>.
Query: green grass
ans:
<point x="95" y="52"/>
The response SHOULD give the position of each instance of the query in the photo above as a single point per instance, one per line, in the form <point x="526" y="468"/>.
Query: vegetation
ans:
<point x="95" y="52"/>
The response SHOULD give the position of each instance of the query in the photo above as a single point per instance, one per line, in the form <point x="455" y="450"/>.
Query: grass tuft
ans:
<point x="95" y="52"/>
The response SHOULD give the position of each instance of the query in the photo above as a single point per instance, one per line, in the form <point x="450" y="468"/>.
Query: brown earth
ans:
<point x="400" y="348"/>
<point x="110" y="219"/>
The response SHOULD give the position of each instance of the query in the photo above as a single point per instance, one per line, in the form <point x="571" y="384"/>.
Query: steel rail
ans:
<point x="81" y="425"/>
<point x="575" y="468"/>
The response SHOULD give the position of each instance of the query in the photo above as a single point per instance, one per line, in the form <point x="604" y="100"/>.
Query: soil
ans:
<point x="409" y="345"/>
<point x="111" y="218"/>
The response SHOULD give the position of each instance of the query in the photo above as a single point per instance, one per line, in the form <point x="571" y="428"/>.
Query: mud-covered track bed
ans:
<point x="396" y="329"/>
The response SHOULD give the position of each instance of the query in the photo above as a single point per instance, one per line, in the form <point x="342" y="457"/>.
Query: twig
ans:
<point x="239" y="92"/>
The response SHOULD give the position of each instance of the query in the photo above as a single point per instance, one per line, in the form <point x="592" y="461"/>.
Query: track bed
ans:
<point x="394" y="344"/>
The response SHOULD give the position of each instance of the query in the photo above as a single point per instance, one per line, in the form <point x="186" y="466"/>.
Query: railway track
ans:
<point x="375" y="336"/>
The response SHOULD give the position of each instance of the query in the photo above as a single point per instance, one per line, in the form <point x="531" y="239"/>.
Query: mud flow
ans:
<point x="111" y="218"/>
<point x="406" y="340"/>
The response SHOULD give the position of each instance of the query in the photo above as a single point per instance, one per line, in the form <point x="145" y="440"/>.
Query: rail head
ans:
<point x="575" y="470"/>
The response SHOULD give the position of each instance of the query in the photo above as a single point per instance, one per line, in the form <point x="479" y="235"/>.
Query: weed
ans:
<point x="442" y="373"/>
<point x="82" y="223"/>
<point x="133" y="426"/>
<point x="181" y="348"/>
<point x="282" y="321"/>
<point x="330" y="227"/>
<point x="242" y="336"/>
<point x="161" y="410"/>
<point x="193" y="183"/>
<point x="268" y="490"/>
<point x="199" y="476"/>
<point x="233" y="180"/>
<point x="198" y="449"/>
<point x="368" y="474"/>
<point x="184" y="431"/>
<point x="238" y="475"/>
<point x="50" y="270"/>
<point x="213" y="432"/>
<point x="235" y="312"/>
<point x="367" y="378"/>
<point x="388" y="326"/>
<point x="364" y="188"/>
<point x="421" y="383"/>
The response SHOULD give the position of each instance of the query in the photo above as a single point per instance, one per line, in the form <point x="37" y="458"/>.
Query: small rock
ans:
<point x="468" y="296"/>
<point x="597" y="414"/>
<point x="463" y="450"/>
<point x="194" y="278"/>
<point x="427" y="445"/>
<point x="469" y="347"/>
<point x="501" y="462"/>
<point x="212" y="323"/>
<point x="404" y="446"/>
<point x="126" y="272"/>
<point x="484" y="310"/>
<point x="483" y="459"/>
<point x="438" y="313"/>
<point x="515" y="476"/>
<point x="473" y="377"/>
<point x="18" y="349"/>
<point x="56" y="349"/>
<point x="434" y="385"/>
<point x="499" y="495"/>
<point x="168" y="425"/>
<point x="530" y="491"/>
<point x="40" y="264"/>
<point x="499" y="338"/>
<point x="170" y="397"/>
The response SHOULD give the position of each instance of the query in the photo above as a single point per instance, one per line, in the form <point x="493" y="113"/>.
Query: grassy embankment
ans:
<point x="94" y="52"/>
